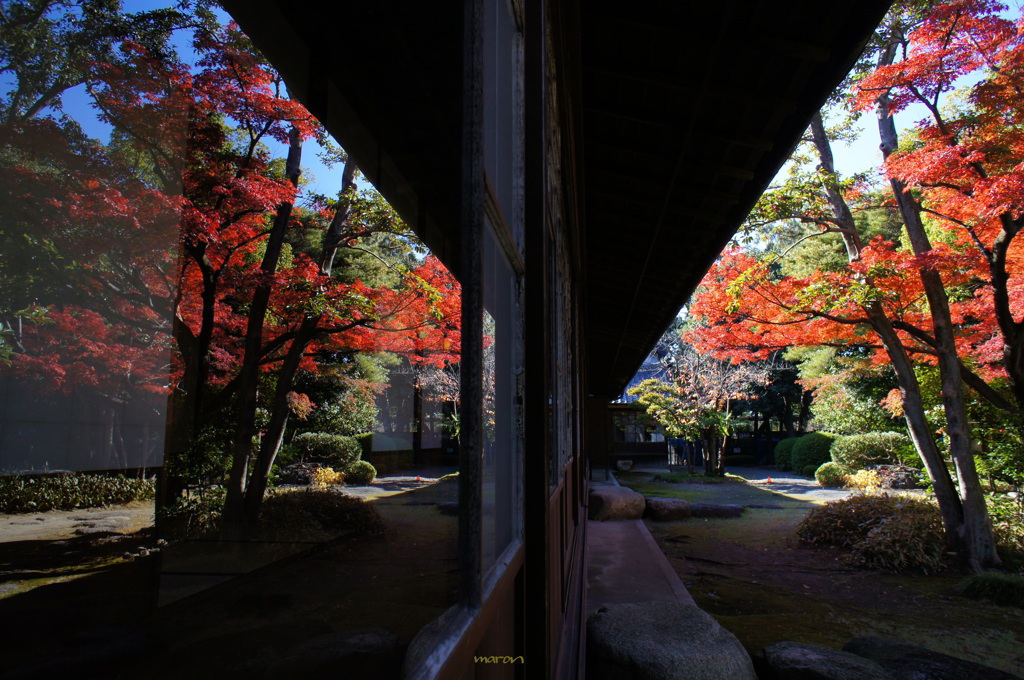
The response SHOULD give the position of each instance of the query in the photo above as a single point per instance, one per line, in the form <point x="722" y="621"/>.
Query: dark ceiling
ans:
<point x="688" y="109"/>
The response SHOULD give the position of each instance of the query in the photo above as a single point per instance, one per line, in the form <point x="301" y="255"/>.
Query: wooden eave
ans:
<point x="685" y="112"/>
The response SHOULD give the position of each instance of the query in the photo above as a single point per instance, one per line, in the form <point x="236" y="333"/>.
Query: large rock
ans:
<point x="711" y="510"/>
<point x="800" y="661"/>
<point x="662" y="641"/>
<point x="615" y="502"/>
<point x="905" y="661"/>
<point x="667" y="509"/>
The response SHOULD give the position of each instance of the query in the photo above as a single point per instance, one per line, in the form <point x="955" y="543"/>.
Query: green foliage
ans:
<point x="309" y="514"/>
<point x="784" y="453"/>
<point x="809" y="470"/>
<point x="847" y="389"/>
<point x="328" y="448"/>
<point x="1007" y="517"/>
<point x="70" y="492"/>
<point x="359" y="472"/>
<point x="196" y="515"/>
<point x="665" y="405"/>
<point x="317" y="514"/>
<point x="345" y="393"/>
<point x="812" y="450"/>
<point x="1004" y="589"/>
<point x="893" y="533"/>
<point x="857" y="451"/>
<point x="830" y="475"/>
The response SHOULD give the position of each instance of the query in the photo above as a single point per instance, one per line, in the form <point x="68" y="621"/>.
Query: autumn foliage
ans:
<point x="137" y="265"/>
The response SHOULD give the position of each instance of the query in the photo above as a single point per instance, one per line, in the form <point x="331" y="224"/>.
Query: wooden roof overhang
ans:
<point x="687" y="110"/>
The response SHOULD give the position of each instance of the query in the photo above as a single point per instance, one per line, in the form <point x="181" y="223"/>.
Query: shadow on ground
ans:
<point x="90" y="600"/>
<point x="761" y="583"/>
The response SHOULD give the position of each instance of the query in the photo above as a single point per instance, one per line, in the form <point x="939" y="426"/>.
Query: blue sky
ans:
<point x="77" y="104"/>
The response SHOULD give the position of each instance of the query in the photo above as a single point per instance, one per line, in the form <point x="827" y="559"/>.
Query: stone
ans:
<point x="662" y="641"/>
<point x="614" y="503"/>
<point x="711" y="510"/>
<point x="373" y="654"/>
<point x="667" y="509"/>
<point x="802" y="661"/>
<point x="906" y="661"/>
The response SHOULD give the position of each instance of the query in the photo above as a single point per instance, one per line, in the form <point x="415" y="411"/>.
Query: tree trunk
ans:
<point x="247" y="393"/>
<point x="806" y="397"/>
<point x="280" y="408"/>
<point x="913" y="409"/>
<point x="978" y="540"/>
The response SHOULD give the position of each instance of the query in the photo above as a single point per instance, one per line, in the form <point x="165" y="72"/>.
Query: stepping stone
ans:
<point x="801" y="661"/>
<point x="662" y="641"/>
<point x="667" y="509"/>
<point x="615" y="503"/>
<point x="711" y="510"/>
<point x="905" y="661"/>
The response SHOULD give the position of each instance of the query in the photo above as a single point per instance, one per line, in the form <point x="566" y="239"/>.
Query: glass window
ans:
<point x="502" y="413"/>
<point x="206" y="365"/>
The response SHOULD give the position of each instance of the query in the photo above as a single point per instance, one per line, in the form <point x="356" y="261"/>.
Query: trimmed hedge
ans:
<point x="336" y="449"/>
<point x="360" y="473"/>
<point x="784" y="453"/>
<point x="812" y="449"/>
<point x="857" y="451"/>
<point x="70" y="492"/>
<point x="830" y="475"/>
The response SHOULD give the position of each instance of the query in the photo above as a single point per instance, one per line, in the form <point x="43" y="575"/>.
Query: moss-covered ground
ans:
<point x="761" y="583"/>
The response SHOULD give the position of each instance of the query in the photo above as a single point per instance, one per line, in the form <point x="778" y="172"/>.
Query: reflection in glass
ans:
<point x="195" y="353"/>
<point x="501" y="470"/>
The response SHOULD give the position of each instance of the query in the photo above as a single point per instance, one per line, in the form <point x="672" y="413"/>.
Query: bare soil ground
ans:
<point x="764" y="585"/>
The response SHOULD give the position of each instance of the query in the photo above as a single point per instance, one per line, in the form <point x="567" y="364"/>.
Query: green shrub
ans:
<point x="286" y="515"/>
<point x="1008" y="530"/>
<point x="784" y="453"/>
<point x="1005" y="589"/>
<point x="317" y="514"/>
<point x="857" y="451"/>
<point x="893" y="533"/>
<point x="740" y="460"/>
<point x="70" y="492"/>
<point x="335" y="449"/>
<point x="809" y="470"/>
<point x="359" y="472"/>
<point x="831" y="475"/>
<point x="196" y="515"/>
<point x="812" y="449"/>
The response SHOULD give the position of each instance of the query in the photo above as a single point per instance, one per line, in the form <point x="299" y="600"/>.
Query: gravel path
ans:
<point x="790" y="484"/>
<point x="57" y="525"/>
